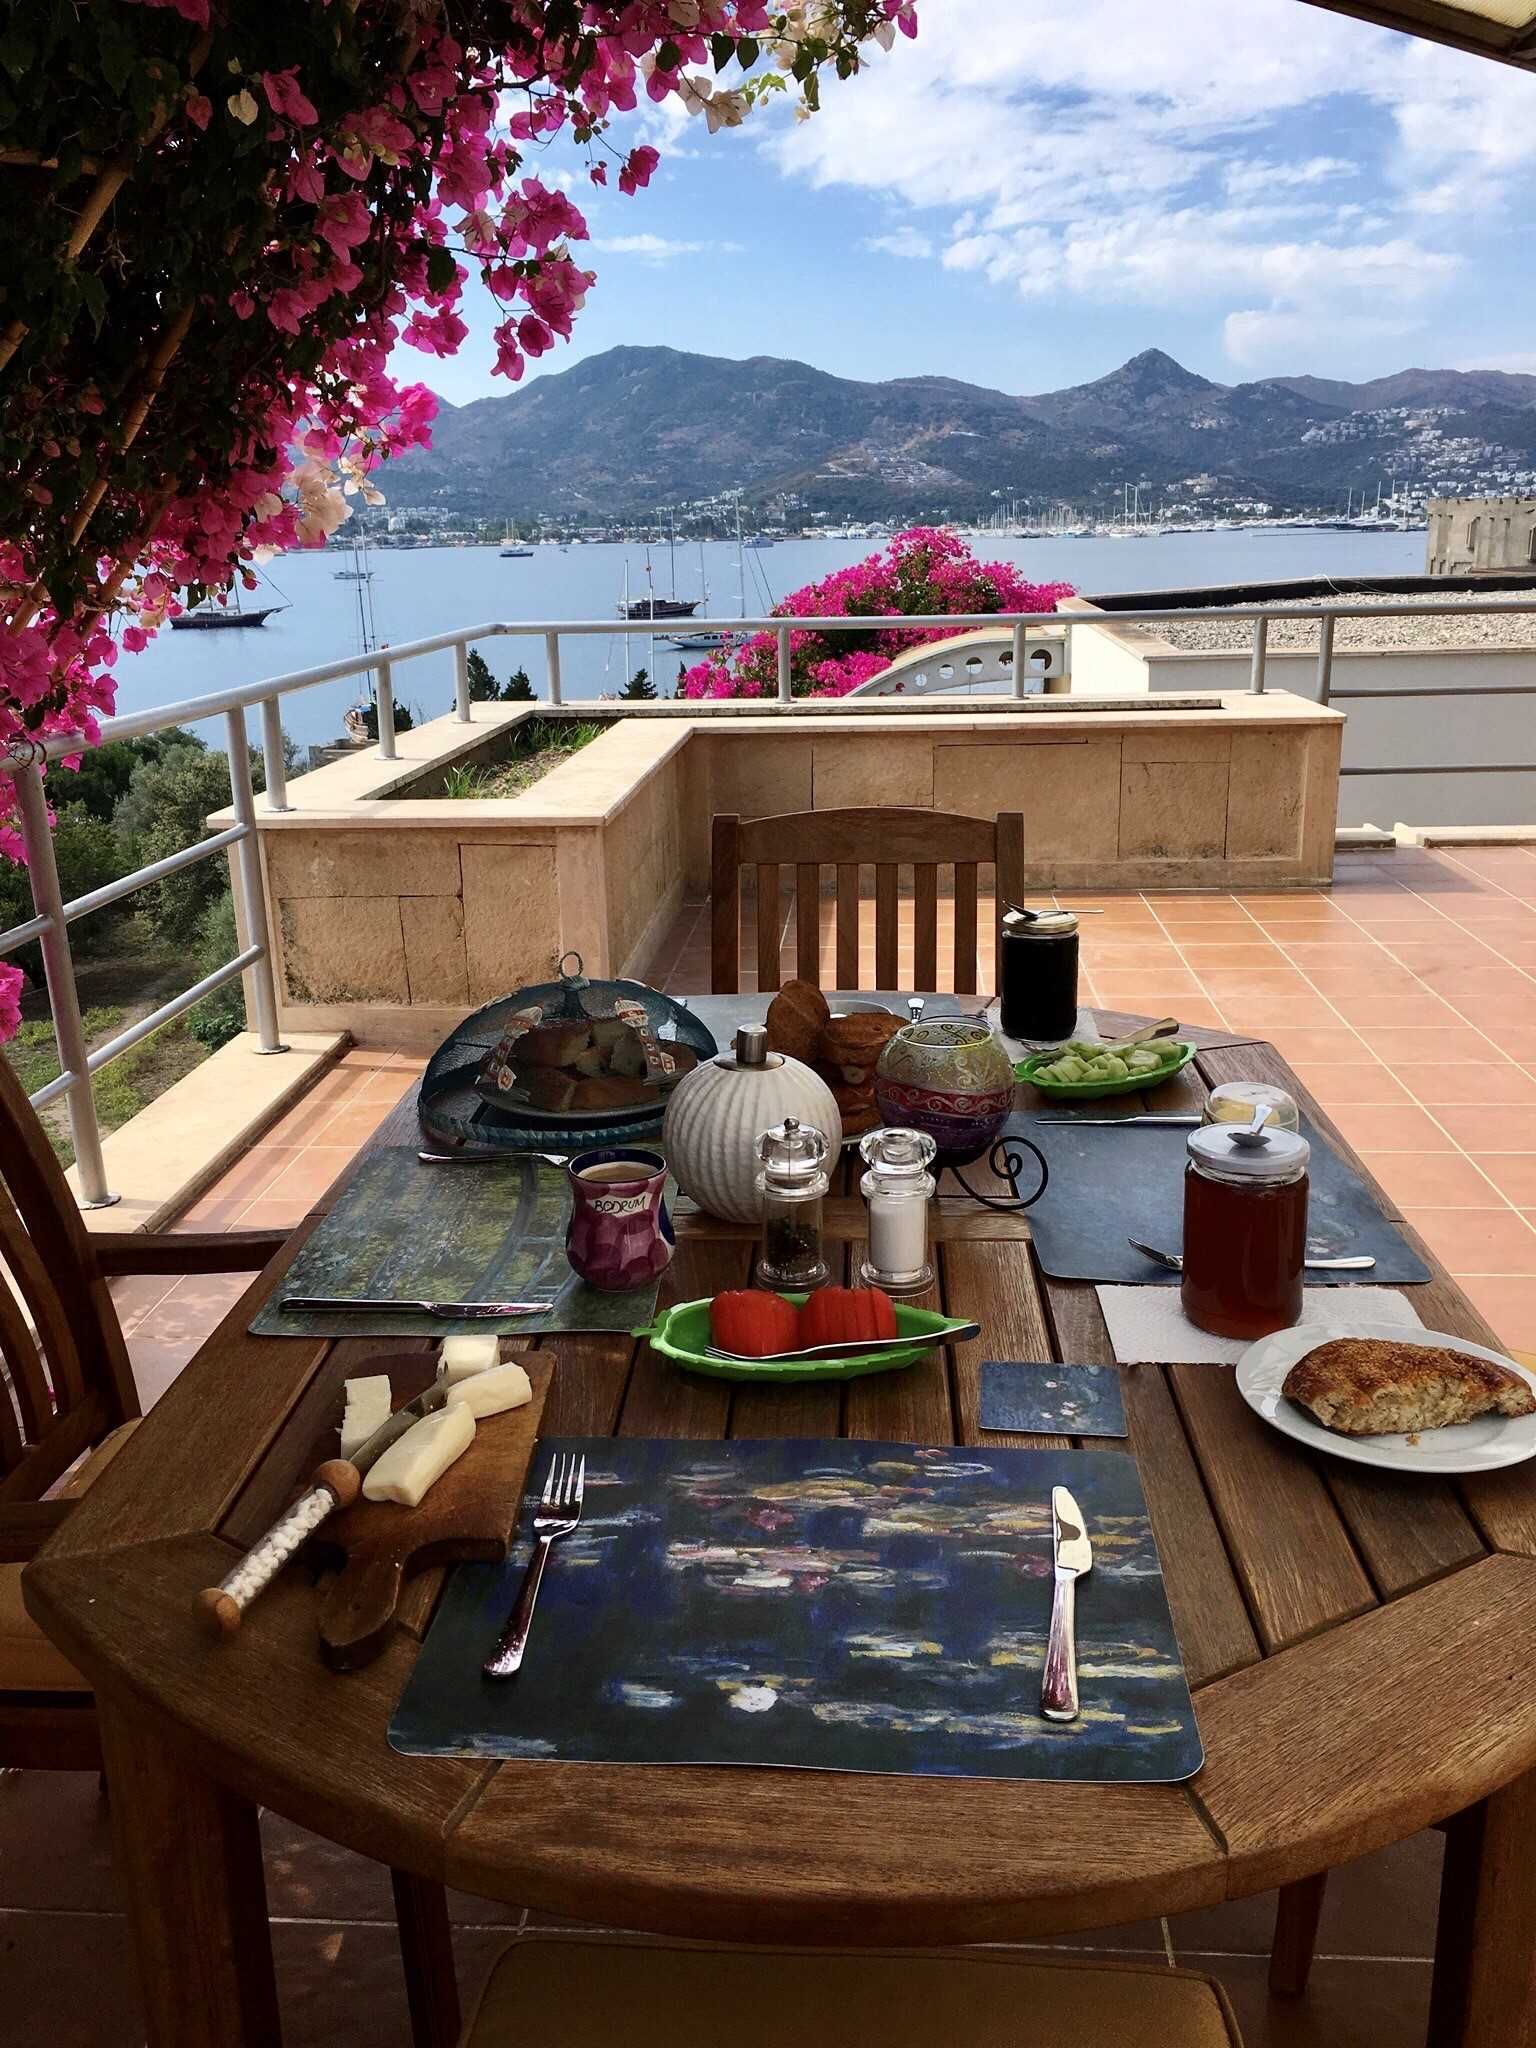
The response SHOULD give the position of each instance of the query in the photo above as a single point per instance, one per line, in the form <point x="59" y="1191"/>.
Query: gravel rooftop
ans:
<point x="1222" y="636"/>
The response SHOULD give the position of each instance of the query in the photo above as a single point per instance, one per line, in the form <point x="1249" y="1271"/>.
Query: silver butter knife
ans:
<point x="445" y="1311"/>
<point x="950" y="1333"/>
<point x="1073" y="1561"/>
<point x="335" y="1484"/>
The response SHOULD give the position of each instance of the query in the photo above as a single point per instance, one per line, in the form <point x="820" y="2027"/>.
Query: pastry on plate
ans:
<point x="1375" y="1386"/>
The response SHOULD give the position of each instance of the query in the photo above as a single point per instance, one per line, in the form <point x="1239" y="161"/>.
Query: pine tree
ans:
<point x="483" y="686"/>
<point x="518" y="689"/>
<point x="639" y="688"/>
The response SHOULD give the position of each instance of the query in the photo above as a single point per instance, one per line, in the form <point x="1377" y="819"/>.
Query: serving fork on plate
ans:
<point x="556" y="1515"/>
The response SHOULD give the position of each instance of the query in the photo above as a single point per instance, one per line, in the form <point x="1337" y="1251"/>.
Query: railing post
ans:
<point x="786" y="686"/>
<point x="552" y="665"/>
<point x="63" y="996"/>
<point x="384" y="694"/>
<point x="1325" y="659"/>
<point x="272" y="752"/>
<point x="461" y="682"/>
<point x="1260" y="648"/>
<point x="1020" y="635"/>
<point x="248" y="884"/>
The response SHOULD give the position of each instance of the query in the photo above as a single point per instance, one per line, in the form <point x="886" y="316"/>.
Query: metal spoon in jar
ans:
<point x="1174" y="1261"/>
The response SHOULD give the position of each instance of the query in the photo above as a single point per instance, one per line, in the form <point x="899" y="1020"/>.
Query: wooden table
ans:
<point x="1361" y="1648"/>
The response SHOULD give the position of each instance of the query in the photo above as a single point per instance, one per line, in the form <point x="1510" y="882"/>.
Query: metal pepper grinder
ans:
<point x="793" y="1183"/>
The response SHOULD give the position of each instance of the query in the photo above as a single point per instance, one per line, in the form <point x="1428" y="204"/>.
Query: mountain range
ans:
<point x="625" y="432"/>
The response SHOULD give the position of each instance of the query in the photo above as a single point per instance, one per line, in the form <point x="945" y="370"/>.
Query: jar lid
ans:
<point x="792" y="1152"/>
<point x="1233" y="1102"/>
<point x="1269" y="1154"/>
<point x="1039" y="924"/>
<point x="896" y="1154"/>
<point x="749" y="1050"/>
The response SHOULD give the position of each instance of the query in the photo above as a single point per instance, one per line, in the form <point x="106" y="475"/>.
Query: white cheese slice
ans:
<point x="420" y="1458"/>
<point x="458" y="1357"/>
<point x="368" y="1408"/>
<point x="491" y="1393"/>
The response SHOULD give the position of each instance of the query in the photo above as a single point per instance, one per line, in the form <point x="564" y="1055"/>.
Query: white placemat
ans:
<point x="1147" y="1326"/>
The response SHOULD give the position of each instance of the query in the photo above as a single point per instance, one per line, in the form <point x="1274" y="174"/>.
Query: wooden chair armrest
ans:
<point x="26" y="1525"/>
<point x="186" y="1251"/>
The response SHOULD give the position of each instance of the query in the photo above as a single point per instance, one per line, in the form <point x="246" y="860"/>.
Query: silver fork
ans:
<point x="556" y="1515"/>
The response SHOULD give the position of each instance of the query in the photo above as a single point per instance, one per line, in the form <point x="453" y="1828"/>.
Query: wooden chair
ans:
<point x="590" y="1993"/>
<point x="887" y="839"/>
<point x="67" y="1406"/>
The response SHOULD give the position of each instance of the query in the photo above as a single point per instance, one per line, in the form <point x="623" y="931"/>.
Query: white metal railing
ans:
<point x="53" y="916"/>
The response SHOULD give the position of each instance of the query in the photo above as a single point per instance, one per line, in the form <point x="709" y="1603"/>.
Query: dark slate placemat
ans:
<point x="1043" y="1399"/>
<point x="818" y="1605"/>
<point x="1108" y="1186"/>
<point x="493" y="1230"/>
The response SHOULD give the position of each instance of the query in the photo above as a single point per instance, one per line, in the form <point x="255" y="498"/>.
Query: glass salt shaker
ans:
<point x="898" y="1188"/>
<point x="792" y="1183"/>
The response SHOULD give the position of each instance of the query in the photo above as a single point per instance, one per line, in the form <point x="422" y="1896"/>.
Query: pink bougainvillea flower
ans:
<point x="199" y="109"/>
<point x="12" y="982"/>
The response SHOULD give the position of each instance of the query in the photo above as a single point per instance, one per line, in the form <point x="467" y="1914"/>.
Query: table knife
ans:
<point x="1168" y="1121"/>
<point x="1073" y="1555"/>
<point x="335" y="1484"/>
<point x="446" y="1311"/>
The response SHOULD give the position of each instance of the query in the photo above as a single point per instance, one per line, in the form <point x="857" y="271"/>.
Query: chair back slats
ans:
<point x="888" y="839"/>
<point x="29" y="1392"/>
<point x="808" y="921"/>
<point x="769" y="923"/>
<point x="925" y="925"/>
<point x="71" y="1436"/>
<point x="68" y="1380"/>
<point x="847" y="925"/>
<point x="44" y="1300"/>
<point x="887" y="917"/>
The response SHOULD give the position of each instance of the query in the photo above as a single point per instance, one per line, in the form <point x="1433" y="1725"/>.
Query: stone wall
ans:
<point x="1469" y="535"/>
<point x="394" y="914"/>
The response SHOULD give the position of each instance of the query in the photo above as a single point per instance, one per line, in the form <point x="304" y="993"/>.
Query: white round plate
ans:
<point x="1480" y="1446"/>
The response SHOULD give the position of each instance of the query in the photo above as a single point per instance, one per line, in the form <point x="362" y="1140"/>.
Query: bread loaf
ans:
<point x="795" y="1019"/>
<point x="1370" y="1386"/>
<point x="551" y="1045"/>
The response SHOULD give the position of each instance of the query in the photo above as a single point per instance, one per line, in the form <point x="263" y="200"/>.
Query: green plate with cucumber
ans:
<point x="1085" y="1070"/>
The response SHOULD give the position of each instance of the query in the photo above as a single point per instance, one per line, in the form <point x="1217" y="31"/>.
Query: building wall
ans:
<point x="1468" y="535"/>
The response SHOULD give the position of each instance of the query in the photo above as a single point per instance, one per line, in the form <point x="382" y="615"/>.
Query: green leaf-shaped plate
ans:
<point x="682" y="1333"/>
<point x="1092" y="1091"/>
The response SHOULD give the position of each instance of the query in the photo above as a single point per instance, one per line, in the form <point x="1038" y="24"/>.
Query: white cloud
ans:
<point x="659" y="248"/>
<point x="1107" y="150"/>
<point x="906" y="241"/>
<point x="1521" y="364"/>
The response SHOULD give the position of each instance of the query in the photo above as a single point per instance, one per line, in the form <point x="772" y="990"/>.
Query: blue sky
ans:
<point x="1036" y="189"/>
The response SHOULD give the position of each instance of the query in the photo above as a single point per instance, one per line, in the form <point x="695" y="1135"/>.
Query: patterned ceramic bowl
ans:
<point x="950" y="1078"/>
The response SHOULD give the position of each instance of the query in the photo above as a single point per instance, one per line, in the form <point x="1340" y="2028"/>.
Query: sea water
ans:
<point x="416" y="592"/>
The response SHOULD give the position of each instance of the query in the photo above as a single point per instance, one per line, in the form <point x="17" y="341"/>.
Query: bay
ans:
<point x="416" y="592"/>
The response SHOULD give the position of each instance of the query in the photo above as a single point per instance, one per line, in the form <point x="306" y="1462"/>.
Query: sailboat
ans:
<point x="514" y="549"/>
<point x="708" y="638"/>
<point x="215" y="615"/>
<point x="653" y="607"/>
<point x="359" y="572"/>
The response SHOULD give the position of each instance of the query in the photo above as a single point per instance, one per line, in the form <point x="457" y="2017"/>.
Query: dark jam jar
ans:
<point x="1245" y="1230"/>
<point x="1039" y="975"/>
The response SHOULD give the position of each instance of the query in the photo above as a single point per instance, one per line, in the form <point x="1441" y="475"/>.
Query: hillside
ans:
<point x="636" y="428"/>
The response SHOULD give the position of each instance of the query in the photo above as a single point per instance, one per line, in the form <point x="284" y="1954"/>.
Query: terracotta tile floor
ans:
<point x="1407" y="996"/>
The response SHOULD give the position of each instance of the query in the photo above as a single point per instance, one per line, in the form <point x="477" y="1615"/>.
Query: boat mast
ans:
<point x="741" y="562"/>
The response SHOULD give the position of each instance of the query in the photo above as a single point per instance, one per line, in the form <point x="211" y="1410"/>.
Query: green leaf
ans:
<point x="668" y="56"/>
<point x="17" y="48"/>
<point x="722" y="49"/>
<point x="747" y="52"/>
<point x="441" y="268"/>
<point x="93" y="296"/>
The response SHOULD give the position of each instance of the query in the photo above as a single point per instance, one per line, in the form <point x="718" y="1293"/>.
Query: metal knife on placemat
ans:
<point x="1073" y="1556"/>
<point x="445" y="1311"/>
<point x="335" y="1484"/>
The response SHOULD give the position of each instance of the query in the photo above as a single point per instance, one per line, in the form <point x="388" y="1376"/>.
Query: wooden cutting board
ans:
<point x="468" y="1517"/>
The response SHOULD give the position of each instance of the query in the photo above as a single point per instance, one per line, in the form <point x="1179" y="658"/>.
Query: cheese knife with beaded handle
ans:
<point x="335" y="1484"/>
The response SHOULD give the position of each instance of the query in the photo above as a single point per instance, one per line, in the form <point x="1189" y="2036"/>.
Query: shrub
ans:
<point x="219" y="1017"/>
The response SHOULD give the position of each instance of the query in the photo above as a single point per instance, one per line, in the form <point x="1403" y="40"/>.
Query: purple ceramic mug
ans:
<point x="619" y="1235"/>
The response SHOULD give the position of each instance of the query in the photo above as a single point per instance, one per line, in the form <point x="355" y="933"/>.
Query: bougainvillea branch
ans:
<point x="222" y="220"/>
<point x="923" y="571"/>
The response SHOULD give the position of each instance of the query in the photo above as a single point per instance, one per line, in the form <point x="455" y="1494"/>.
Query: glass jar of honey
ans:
<point x="1245" y="1229"/>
